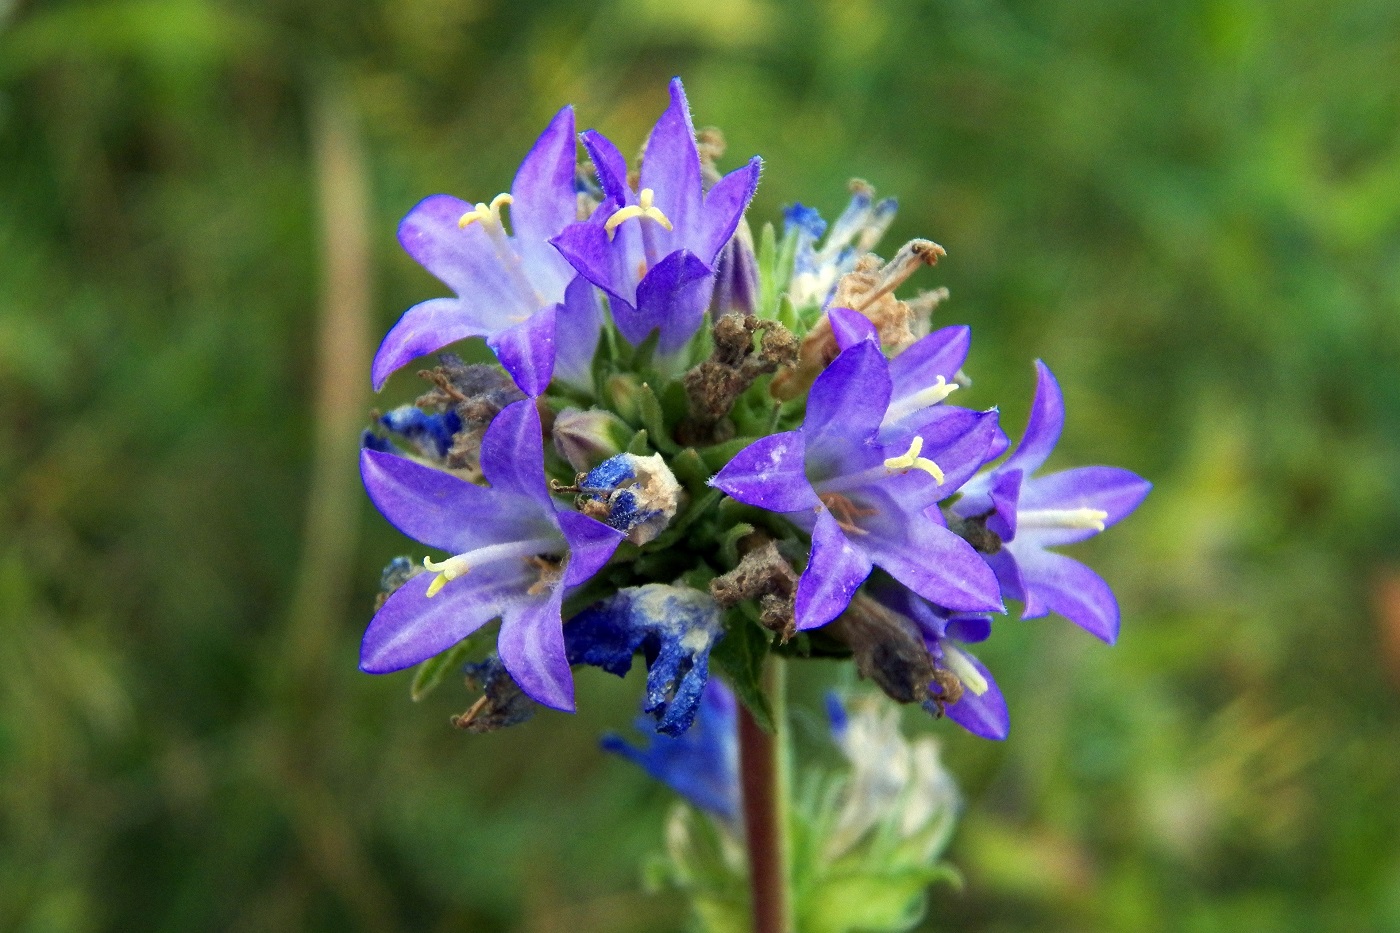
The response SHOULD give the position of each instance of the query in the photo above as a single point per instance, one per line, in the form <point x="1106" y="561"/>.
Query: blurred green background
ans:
<point x="1190" y="210"/>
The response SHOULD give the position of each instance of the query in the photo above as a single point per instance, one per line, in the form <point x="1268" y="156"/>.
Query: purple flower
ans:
<point x="866" y="501"/>
<point x="654" y="250"/>
<point x="1032" y="513"/>
<point x="702" y="764"/>
<point x="980" y="709"/>
<point x="514" y="554"/>
<point x="513" y="289"/>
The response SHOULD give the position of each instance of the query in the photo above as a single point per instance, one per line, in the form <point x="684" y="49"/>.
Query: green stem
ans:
<point x="763" y="765"/>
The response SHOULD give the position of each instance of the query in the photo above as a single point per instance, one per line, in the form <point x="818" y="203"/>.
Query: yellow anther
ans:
<point x="446" y="571"/>
<point x="643" y="208"/>
<point x="910" y="460"/>
<point x="486" y="213"/>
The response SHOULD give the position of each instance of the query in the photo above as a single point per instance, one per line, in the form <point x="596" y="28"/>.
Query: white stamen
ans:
<point x="459" y="564"/>
<point x="963" y="669"/>
<point x="904" y="407"/>
<point x="1084" y="518"/>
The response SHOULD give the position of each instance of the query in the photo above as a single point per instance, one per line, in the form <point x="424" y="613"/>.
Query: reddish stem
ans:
<point x="758" y="765"/>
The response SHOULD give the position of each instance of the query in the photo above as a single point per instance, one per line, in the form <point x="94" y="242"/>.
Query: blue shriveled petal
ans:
<point x="577" y="326"/>
<point x="1109" y="489"/>
<point x="919" y="552"/>
<point x="431" y="433"/>
<point x="844" y="410"/>
<point x="725" y="204"/>
<point x="543" y="198"/>
<point x="531" y="646"/>
<point x="941" y="353"/>
<point x="985" y="715"/>
<point x="463" y="259"/>
<point x="424" y="328"/>
<point x="1043" y="429"/>
<point x="411" y="627"/>
<point x="769" y="474"/>
<point x="512" y="454"/>
<point x="851" y="327"/>
<point x="672" y="296"/>
<point x="674" y="626"/>
<point x="671" y="166"/>
<point x="701" y="765"/>
<point x="834" y="572"/>
<point x="591" y="545"/>
<point x="441" y="510"/>
<point x="736" y="279"/>
<point x="1056" y="583"/>
<point x="526" y="350"/>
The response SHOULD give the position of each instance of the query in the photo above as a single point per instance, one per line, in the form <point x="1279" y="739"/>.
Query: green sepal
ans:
<point x="638" y="445"/>
<point x="649" y="410"/>
<point x="604" y="360"/>
<point x="431" y="672"/>
<point x="869" y="902"/>
<point x="690" y="469"/>
<point x="645" y="352"/>
<point x="740" y="655"/>
<point x="729" y="543"/>
<point x="717" y="455"/>
<point x="767" y="271"/>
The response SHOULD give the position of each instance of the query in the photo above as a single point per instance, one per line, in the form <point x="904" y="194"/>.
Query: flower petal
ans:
<point x="1064" y="585"/>
<point x="926" y="557"/>
<point x="985" y="715"/>
<point x="834" y="572"/>
<point x="671" y="166"/>
<point x="612" y="266"/>
<point x="850" y="327"/>
<point x="844" y="409"/>
<point x="543" y="198"/>
<point x="428" y="505"/>
<point x="941" y="353"/>
<point x="512" y="454"/>
<point x="672" y="296"/>
<point x="531" y="646"/>
<point x="577" y="326"/>
<point x="591" y="545"/>
<point x="1043" y="429"/>
<point x="768" y="474"/>
<point x="725" y="204"/>
<point x="424" y="328"/>
<point x="610" y="165"/>
<point x="526" y="350"/>
<point x="411" y="627"/>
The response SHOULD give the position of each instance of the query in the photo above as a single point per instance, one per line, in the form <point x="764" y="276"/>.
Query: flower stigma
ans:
<point x="459" y="564"/>
<point x="921" y="400"/>
<point x="643" y="208"/>
<point x="486" y="213"/>
<point x="1084" y="518"/>
<point x="962" y="668"/>
<point x="910" y="460"/>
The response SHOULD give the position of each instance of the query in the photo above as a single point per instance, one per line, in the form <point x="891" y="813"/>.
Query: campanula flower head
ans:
<point x="1026" y="515"/>
<point x="652" y="247"/>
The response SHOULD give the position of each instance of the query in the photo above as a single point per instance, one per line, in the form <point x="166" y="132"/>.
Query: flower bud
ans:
<point x="587" y="438"/>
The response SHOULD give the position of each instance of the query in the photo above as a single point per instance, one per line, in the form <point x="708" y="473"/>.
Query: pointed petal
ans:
<point x="971" y="629"/>
<point x="844" y="409"/>
<point x="984" y="715"/>
<point x="591" y="545"/>
<point x="410" y="627"/>
<point x="434" y="507"/>
<point x="1013" y="586"/>
<point x="531" y="646"/>
<point x="527" y="351"/>
<point x="941" y="353"/>
<point x="671" y="166"/>
<point x="1109" y="489"/>
<point x="850" y="327"/>
<point x="673" y="296"/>
<point x="1043" y="429"/>
<point x="610" y="266"/>
<point x="928" y="558"/>
<point x="956" y="439"/>
<point x="834" y="572"/>
<point x="1064" y="585"/>
<point x="610" y="165"/>
<point x="543" y="198"/>
<point x="424" y="328"/>
<point x="577" y="326"/>
<point x="724" y="206"/>
<point x="512" y="454"/>
<point x="464" y="259"/>
<point x="768" y="474"/>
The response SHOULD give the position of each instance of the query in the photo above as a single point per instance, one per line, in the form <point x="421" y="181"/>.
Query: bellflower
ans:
<point x="1029" y="514"/>
<point x="654" y="250"/>
<point x="514" y="289"/>
<point x="514" y="554"/>
<point x="867" y="502"/>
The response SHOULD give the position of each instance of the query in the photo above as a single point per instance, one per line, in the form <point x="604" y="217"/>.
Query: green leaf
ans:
<point x="649" y="410"/>
<point x="740" y="654"/>
<point x="431" y="672"/>
<point x="729" y="543"/>
<point x="767" y="276"/>
<point x="869" y="903"/>
<point x="717" y="455"/>
<point x="645" y="351"/>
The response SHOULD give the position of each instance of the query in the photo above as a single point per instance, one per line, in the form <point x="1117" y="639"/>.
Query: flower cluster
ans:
<point x="699" y="444"/>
